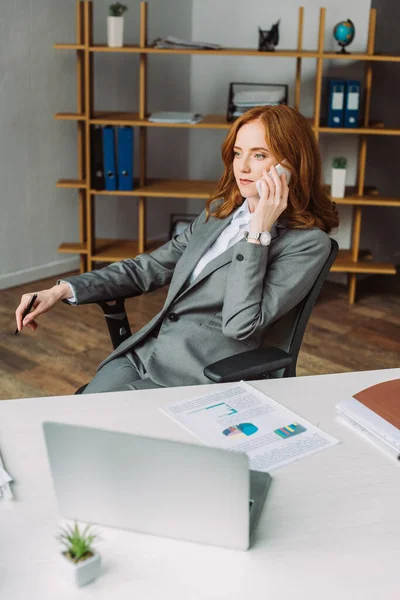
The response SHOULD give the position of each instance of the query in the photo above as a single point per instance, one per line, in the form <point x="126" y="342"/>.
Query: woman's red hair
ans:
<point x="291" y="139"/>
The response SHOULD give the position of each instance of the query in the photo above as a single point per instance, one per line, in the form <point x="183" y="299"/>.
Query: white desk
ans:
<point x="330" y="528"/>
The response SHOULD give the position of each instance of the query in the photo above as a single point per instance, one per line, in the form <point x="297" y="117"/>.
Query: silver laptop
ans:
<point x="155" y="486"/>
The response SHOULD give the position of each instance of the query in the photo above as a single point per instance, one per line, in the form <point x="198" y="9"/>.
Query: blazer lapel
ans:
<point x="213" y="265"/>
<point x="202" y="240"/>
<point x="221" y="260"/>
<point x="205" y="239"/>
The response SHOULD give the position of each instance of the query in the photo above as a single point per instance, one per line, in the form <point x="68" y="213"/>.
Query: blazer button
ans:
<point x="239" y="257"/>
<point x="173" y="316"/>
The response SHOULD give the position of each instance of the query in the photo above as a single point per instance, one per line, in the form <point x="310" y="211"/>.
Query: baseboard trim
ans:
<point x="10" y="280"/>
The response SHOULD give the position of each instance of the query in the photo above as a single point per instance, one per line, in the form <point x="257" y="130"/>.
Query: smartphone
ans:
<point x="280" y="170"/>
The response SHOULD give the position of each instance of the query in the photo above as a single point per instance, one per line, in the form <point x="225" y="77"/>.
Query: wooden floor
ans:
<point x="71" y="341"/>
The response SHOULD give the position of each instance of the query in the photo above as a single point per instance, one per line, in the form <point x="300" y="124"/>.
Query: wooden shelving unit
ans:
<point x="92" y="250"/>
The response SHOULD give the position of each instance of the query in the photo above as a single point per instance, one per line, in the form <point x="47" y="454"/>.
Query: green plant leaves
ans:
<point x="117" y="9"/>
<point x="339" y="162"/>
<point x="77" y="543"/>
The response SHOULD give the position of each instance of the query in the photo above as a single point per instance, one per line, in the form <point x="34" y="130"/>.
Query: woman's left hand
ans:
<point x="272" y="202"/>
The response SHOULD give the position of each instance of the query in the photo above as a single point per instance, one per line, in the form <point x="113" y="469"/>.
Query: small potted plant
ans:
<point x="339" y="170"/>
<point x="80" y="562"/>
<point x="115" y="25"/>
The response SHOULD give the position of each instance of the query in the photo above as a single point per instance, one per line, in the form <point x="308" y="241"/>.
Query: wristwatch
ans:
<point x="264" y="237"/>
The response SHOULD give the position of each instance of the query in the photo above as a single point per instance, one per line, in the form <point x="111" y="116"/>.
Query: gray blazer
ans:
<point x="226" y="310"/>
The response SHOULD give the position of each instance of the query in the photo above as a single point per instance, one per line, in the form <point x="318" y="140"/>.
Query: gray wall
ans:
<point x="37" y="81"/>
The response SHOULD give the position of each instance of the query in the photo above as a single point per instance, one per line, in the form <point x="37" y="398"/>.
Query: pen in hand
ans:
<point x="27" y="310"/>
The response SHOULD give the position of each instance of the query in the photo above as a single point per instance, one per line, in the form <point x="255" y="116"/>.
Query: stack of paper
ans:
<point x="5" y="489"/>
<point x="240" y="418"/>
<point x="375" y="413"/>
<point x="173" y="42"/>
<point x="246" y="97"/>
<point x="175" y="117"/>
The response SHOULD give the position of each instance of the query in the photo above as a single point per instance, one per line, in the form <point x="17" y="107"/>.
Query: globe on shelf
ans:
<point x="344" y="33"/>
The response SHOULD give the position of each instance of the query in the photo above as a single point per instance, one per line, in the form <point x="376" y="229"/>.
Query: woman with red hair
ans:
<point x="244" y="262"/>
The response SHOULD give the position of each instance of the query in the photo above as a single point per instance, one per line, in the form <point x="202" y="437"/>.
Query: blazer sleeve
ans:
<point x="258" y="292"/>
<point x="132" y="276"/>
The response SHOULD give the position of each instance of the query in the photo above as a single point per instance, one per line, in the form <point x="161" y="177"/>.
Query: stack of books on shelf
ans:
<point x="174" y="42"/>
<point x="112" y="158"/>
<point x="375" y="413"/>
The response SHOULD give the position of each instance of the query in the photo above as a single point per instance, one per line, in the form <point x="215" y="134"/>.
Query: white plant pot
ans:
<point x="83" y="572"/>
<point x="115" y="31"/>
<point x="338" y="183"/>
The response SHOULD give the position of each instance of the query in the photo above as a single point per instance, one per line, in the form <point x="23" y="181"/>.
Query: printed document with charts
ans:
<point x="242" y="419"/>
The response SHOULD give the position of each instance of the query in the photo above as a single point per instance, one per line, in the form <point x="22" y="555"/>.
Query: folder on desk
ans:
<point x="109" y="158"/>
<point x="336" y="102"/>
<point x="384" y="400"/>
<point x="352" y="103"/>
<point x="375" y="412"/>
<point x="97" y="166"/>
<point x="125" y="158"/>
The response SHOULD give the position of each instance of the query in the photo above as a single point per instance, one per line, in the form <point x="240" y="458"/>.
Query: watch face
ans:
<point x="265" y="238"/>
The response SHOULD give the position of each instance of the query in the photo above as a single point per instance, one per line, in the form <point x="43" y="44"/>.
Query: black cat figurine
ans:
<point x="267" y="40"/>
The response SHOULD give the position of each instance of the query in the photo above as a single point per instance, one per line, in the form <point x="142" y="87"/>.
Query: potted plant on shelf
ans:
<point x="79" y="560"/>
<point x="115" y="25"/>
<point x="339" y="170"/>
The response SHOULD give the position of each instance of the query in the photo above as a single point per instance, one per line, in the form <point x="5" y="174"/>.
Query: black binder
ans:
<point x="97" y="167"/>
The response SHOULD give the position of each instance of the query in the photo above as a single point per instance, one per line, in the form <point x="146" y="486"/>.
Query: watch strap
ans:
<point x="252" y="236"/>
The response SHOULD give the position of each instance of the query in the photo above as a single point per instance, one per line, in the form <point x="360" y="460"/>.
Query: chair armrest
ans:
<point x="117" y="320"/>
<point x="253" y="364"/>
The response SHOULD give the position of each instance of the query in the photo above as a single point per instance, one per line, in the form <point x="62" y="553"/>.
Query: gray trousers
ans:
<point x="123" y="373"/>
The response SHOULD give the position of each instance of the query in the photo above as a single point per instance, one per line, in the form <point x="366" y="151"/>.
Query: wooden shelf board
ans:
<point x="371" y="200"/>
<point x="69" y="46"/>
<point x="71" y="183"/>
<point x="69" y="117"/>
<point x="167" y="188"/>
<point x="365" y="264"/>
<point x="135" y="49"/>
<point x="213" y="121"/>
<point x="362" y="56"/>
<point x="132" y="48"/>
<point x="114" y="192"/>
<point x="108" y="250"/>
<point x="236" y="52"/>
<point x="360" y="130"/>
<point x="73" y="248"/>
<point x="132" y="118"/>
<point x="222" y="51"/>
<point x="370" y="197"/>
<point x="345" y="255"/>
<point x="363" y="267"/>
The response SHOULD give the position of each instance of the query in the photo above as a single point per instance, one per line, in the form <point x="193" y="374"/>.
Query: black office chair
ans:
<point x="284" y="338"/>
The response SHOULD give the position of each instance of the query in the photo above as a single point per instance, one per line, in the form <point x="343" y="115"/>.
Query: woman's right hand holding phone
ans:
<point x="273" y="200"/>
<point x="44" y="302"/>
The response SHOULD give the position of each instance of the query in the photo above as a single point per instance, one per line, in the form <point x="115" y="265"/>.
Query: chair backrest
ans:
<point x="287" y="333"/>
